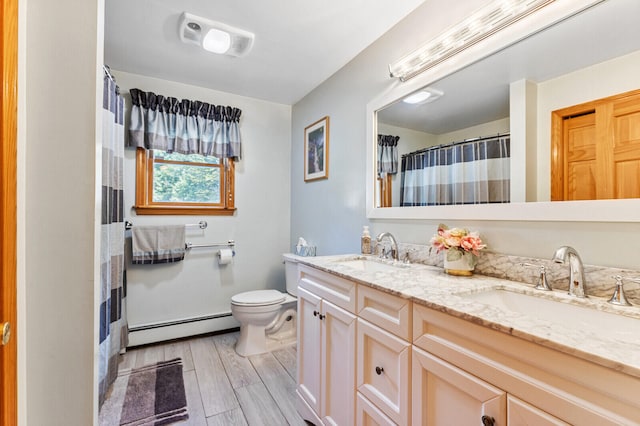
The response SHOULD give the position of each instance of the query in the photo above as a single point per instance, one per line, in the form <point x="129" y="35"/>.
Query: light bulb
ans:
<point x="216" y="41"/>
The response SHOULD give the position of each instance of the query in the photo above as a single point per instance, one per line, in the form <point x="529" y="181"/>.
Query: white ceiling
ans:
<point x="298" y="44"/>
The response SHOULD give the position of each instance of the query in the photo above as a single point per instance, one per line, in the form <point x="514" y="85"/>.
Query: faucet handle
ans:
<point x="383" y="252"/>
<point x="618" y="297"/>
<point x="542" y="283"/>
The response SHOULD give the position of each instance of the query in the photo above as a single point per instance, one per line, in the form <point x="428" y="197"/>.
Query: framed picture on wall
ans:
<point x="316" y="150"/>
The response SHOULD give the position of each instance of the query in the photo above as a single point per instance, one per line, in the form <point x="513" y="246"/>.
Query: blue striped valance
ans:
<point x="184" y="126"/>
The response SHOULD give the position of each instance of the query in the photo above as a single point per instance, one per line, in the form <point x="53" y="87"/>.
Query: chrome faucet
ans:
<point x="576" y="275"/>
<point x="394" y="244"/>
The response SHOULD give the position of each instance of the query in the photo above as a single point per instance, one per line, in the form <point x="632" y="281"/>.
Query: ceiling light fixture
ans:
<point x="423" y="96"/>
<point x="478" y="26"/>
<point x="215" y="36"/>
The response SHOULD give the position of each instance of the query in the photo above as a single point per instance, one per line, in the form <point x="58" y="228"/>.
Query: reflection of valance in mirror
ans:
<point x="468" y="172"/>
<point x="387" y="154"/>
<point x="184" y="126"/>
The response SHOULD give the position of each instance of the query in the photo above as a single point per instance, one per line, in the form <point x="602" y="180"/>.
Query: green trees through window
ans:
<point x="180" y="178"/>
<point x="178" y="184"/>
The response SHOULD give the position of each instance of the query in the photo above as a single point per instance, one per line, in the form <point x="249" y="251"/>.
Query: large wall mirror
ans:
<point x="588" y="54"/>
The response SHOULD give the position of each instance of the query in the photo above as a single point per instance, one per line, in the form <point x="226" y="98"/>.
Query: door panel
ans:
<point x="581" y="158"/>
<point x="626" y="149"/>
<point x="8" y="185"/>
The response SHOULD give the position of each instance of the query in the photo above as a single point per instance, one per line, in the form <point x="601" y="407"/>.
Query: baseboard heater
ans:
<point x="177" y="322"/>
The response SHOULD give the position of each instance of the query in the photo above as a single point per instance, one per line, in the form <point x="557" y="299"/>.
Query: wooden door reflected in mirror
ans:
<point x="596" y="149"/>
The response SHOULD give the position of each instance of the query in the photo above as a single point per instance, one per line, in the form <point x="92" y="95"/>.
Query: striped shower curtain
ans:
<point x="470" y="172"/>
<point x="113" y="319"/>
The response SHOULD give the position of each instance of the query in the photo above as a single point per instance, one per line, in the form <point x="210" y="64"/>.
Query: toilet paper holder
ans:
<point x="231" y="244"/>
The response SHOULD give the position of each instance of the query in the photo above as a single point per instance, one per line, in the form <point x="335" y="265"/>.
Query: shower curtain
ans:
<point x="469" y="172"/>
<point x="113" y="318"/>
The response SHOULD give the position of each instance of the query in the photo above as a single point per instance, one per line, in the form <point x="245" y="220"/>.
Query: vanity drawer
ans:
<point x="392" y="313"/>
<point x="383" y="371"/>
<point x="369" y="414"/>
<point x="336" y="290"/>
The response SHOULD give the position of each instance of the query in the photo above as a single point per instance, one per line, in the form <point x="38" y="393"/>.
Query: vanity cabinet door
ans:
<point x="446" y="395"/>
<point x="520" y="413"/>
<point x="384" y="371"/>
<point x="326" y="360"/>
<point x="338" y="357"/>
<point x="309" y="348"/>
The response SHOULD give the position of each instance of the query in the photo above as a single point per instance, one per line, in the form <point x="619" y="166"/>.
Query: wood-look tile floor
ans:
<point x="222" y="388"/>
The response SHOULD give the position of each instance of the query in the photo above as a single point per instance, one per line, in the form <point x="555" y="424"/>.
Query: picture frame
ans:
<point x="316" y="150"/>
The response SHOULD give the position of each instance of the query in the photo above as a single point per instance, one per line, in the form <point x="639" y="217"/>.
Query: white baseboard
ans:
<point x="143" y="335"/>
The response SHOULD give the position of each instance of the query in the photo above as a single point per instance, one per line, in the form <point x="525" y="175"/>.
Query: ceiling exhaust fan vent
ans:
<point x="215" y="36"/>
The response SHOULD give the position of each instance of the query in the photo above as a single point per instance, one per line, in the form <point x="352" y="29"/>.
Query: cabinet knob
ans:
<point x="379" y="370"/>
<point x="316" y="313"/>
<point x="321" y="317"/>
<point x="488" y="421"/>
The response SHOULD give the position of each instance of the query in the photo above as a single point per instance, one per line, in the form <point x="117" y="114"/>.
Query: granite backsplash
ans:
<point x="598" y="279"/>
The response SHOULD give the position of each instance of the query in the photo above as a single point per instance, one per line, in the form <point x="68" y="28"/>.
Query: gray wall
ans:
<point x="331" y="213"/>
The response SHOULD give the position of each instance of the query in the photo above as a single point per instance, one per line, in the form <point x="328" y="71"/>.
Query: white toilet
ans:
<point x="267" y="317"/>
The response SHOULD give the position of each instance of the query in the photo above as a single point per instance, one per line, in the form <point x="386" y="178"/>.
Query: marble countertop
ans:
<point x="431" y="287"/>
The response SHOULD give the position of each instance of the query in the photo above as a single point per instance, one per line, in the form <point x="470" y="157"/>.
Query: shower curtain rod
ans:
<point x="445" y="145"/>
<point x="107" y="71"/>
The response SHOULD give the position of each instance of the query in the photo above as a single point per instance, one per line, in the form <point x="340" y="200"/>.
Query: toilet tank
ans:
<point x="291" y="273"/>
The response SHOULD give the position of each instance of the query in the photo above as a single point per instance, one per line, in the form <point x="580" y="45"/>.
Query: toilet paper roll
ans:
<point x="225" y="256"/>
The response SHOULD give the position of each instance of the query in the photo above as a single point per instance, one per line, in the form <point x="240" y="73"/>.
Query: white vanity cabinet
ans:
<point x="460" y="367"/>
<point x="326" y="348"/>
<point x="367" y="356"/>
<point x="384" y="358"/>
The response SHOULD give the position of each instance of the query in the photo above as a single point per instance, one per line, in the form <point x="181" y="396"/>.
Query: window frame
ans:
<point x="144" y="191"/>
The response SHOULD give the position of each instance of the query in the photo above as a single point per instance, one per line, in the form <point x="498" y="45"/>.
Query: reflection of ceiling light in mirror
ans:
<point x="423" y="96"/>
<point x="214" y="36"/>
<point x="483" y="23"/>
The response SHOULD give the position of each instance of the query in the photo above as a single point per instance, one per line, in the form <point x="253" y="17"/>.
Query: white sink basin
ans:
<point x="370" y="265"/>
<point x="586" y="318"/>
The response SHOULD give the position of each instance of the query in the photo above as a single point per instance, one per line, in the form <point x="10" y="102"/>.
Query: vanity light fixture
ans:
<point x="483" y="23"/>
<point x="423" y="96"/>
<point x="215" y="36"/>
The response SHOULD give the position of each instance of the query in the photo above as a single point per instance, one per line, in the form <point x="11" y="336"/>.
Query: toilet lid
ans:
<point x="258" y="297"/>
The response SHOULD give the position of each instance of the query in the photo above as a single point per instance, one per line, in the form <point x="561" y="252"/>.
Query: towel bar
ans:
<point x="230" y="243"/>
<point x="202" y="224"/>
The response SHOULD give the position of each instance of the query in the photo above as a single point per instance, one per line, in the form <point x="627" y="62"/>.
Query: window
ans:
<point x="172" y="183"/>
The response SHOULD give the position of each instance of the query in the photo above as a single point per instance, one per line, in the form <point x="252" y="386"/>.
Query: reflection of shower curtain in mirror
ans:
<point x="469" y="172"/>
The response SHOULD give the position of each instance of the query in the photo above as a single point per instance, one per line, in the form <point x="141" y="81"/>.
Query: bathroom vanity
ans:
<point x="383" y="343"/>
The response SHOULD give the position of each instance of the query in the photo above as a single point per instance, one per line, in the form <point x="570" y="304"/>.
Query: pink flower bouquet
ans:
<point x="459" y="239"/>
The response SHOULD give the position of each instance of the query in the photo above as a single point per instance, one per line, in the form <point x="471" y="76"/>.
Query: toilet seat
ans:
<point x="258" y="298"/>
